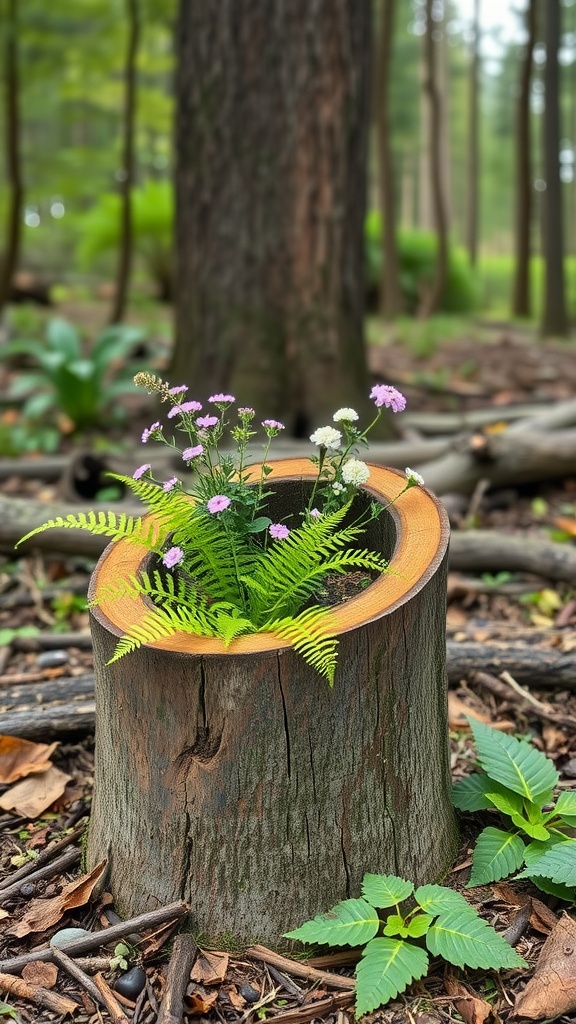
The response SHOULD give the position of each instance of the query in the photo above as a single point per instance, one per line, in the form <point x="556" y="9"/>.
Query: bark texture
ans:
<point x="241" y="782"/>
<point x="272" y="111"/>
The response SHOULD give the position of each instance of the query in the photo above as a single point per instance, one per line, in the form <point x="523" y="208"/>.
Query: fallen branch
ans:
<point x="184" y="953"/>
<point x="63" y="863"/>
<point x="501" y="688"/>
<point x="58" y="721"/>
<point x="530" y="665"/>
<point x="45" y="857"/>
<point x="110" y="1002"/>
<point x="76" y="972"/>
<point x="486" y="551"/>
<point x="299" y="969"/>
<point x="36" y="994"/>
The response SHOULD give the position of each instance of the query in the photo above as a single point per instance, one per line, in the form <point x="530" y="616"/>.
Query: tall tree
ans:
<point x="9" y="257"/>
<point x="391" y="302"/>
<point x="128" y="165"/>
<point x="554" y="318"/>
<point x="432" y="88"/>
<point x="522" y="233"/>
<point x="473" y="140"/>
<point x="272" y="112"/>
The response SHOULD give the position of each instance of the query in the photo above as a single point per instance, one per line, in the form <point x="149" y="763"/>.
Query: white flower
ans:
<point x="355" y="472"/>
<point x="338" y="487"/>
<point x="348" y="415"/>
<point x="414" y="478"/>
<point x="326" y="437"/>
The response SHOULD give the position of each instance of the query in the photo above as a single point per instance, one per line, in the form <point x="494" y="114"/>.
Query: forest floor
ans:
<point x="43" y="594"/>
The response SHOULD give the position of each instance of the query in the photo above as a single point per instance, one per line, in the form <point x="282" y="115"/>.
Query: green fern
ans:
<point x="117" y="526"/>
<point x="309" y="634"/>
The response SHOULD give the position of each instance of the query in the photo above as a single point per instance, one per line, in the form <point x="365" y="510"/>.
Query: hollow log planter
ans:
<point x="238" y="780"/>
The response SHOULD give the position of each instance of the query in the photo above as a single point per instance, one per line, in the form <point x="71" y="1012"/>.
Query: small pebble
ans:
<point x="569" y="769"/>
<point x="27" y="889"/>
<point x="131" y="983"/>
<point x="249" y="993"/>
<point x="66" y="935"/>
<point x="52" y="659"/>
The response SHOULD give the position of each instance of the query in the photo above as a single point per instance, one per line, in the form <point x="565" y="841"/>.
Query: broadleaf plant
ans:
<point x="517" y="781"/>
<point x="429" y="919"/>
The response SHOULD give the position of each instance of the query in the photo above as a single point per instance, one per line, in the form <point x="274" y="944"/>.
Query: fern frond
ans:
<point x="212" y="562"/>
<point x="309" y="634"/>
<point x="171" y="507"/>
<point x="117" y="526"/>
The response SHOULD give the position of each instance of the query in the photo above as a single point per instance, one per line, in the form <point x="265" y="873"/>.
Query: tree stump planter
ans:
<point x="238" y="780"/>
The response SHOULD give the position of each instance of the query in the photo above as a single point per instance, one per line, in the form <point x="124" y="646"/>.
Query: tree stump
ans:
<point x="238" y="780"/>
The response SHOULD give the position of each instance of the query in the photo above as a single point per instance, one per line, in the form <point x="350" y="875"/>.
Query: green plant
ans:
<point x="82" y="386"/>
<point x="394" y="954"/>
<point x="237" y="571"/>
<point x="122" y="953"/>
<point x="517" y="781"/>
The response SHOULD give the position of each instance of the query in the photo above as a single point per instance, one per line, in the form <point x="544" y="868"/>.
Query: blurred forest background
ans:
<point x="468" y="204"/>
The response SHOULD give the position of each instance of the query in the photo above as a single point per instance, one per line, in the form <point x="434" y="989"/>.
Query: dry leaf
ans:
<point x="20" y="758"/>
<point x="457" y="711"/>
<point x="40" y="973"/>
<point x="468" y="1003"/>
<point x="210" y="968"/>
<point x="42" y="914"/>
<point x="34" y="795"/>
<point x="3" y="914"/>
<point x="551" y="992"/>
<point x="234" y="997"/>
<point x="199" y="1002"/>
<point x="568" y="525"/>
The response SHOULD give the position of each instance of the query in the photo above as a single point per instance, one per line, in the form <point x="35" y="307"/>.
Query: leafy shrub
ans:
<point x="81" y="386"/>
<point x="517" y="781"/>
<point x="417" y="258"/>
<point x="446" y="922"/>
<point x="153" y="221"/>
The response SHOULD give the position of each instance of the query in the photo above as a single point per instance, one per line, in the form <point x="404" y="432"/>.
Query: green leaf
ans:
<point x="562" y="892"/>
<point x="349" y="923"/>
<point x="386" y="968"/>
<point x="508" y="803"/>
<point x="557" y="863"/>
<point x="566" y="806"/>
<point x="533" y="829"/>
<point x="438" y="899"/>
<point x="469" y="794"/>
<point x="395" y="925"/>
<point x="259" y="524"/>
<point x="497" y="854"/>
<point x="465" y="940"/>
<point x="419" y="925"/>
<point x="514" y="763"/>
<point x="386" y="890"/>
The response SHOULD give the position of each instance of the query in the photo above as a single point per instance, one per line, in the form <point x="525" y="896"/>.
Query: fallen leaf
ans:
<point x="210" y="968"/>
<point x="234" y="997"/>
<point x="458" y="710"/>
<point x="43" y="913"/>
<point x="40" y="973"/>
<point x="568" y="525"/>
<point x="551" y="991"/>
<point x="20" y="758"/>
<point x="3" y="914"/>
<point x="32" y="796"/>
<point x="468" y="1003"/>
<point x="199" y="1002"/>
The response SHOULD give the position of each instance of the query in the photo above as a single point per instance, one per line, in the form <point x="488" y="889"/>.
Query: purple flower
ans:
<point x="218" y="503"/>
<point x="207" y="421"/>
<point x="278" y="531"/>
<point x="315" y="513"/>
<point x="222" y="398"/>
<point x="168" y="485"/>
<point x="191" y="406"/>
<point x="385" y="394"/>
<point x="147" y="433"/>
<point x="172" y="557"/>
<point x="178" y="390"/>
<point x="191" y="453"/>
<point x="273" y="424"/>
<point x="246" y="412"/>
<point x="140" y="471"/>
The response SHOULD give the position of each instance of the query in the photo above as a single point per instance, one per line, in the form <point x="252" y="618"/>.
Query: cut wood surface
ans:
<point x="240" y="771"/>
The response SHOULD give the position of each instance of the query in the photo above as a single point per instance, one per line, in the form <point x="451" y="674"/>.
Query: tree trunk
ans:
<point x="9" y="258"/>
<point x="128" y="165"/>
<point x="554" y="319"/>
<point x="432" y="293"/>
<point x="272" y="111"/>
<point x="238" y="780"/>
<point x="473" y="141"/>
<point x="391" y="300"/>
<point x="521" y="294"/>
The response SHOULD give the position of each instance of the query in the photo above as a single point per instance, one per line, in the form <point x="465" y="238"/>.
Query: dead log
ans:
<point x="534" y="666"/>
<point x="57" y="720"/>
<point x="490" y="551"/>
<point x="31" y="695"/>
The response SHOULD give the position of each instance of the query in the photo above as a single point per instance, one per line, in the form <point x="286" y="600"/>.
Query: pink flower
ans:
<point x="315" y="513"/>
<point x="272" y="425"/>
<point x="218" y="503"/>
<point x="385" y="394"/>
<point x="140" y="471"/>
<point x="222" y="398"/>
<point x="191" y="453"/>
<point x="147" y="433"/>
<point x="168" y="485"/>
<point x="185" y="407"/>
<point x="172" y="557"/>
<point x="178" y="390"/>
<point x="207" y="421"/>
<point x="246" y="412"/>
<point x="278" y="531"/>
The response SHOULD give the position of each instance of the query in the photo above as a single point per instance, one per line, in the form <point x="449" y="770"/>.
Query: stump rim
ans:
<point x="422" y="536"/>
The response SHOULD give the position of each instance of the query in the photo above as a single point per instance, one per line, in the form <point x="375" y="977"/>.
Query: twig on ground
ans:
<point x="184" y="953"/>
<point x="318" y="1009"/>
<point x="36" y="994"/>
<point x="110" y="1002"/>
<point x="76" y="972"/>
<point x="63" y="863"/>
<point x="43" y="858"/>
<point x="300" y="970"/>
<point x="501" y="688"/>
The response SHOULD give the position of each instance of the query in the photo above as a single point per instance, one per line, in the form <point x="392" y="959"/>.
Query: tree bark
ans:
<point x="128" y="165"/>
<point x="9" y="260"/>
<point x="522" y="246"/>
<point x="272" y="112"/>
<point x="391" y="300"/>
<point x="554" y="318"/>
<point x="432" y="294"/>
<point x="239" y="779"/>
